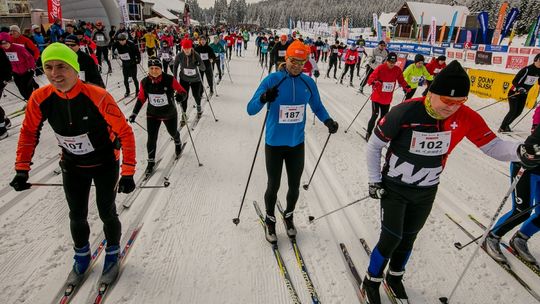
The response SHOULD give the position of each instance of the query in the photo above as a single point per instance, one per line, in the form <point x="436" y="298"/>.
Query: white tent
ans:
<point x="157" y="20"/>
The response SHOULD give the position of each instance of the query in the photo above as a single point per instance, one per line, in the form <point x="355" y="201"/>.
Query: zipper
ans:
<point x="69" y="110"/>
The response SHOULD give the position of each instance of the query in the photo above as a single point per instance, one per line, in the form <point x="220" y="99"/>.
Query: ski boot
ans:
<point x="361" y="90"/>
<point x="3" y="133"/>
<point x="7" y="122"/>
<point x="270" y="229"/>
<point x="504" y="130"/>
<point x="493" y="248"/>
<point x="149" y="168"/>
<point x="82" y="259"/>
<point x="394" y="279"/>
<point x="341" y="81"/>
<point x="199" y="111"/>
<point x="111" y="267"/>
<point x="351" y="84"/>
<point x="289" y="224"/>
<point x="519" y="243"/>
<point x="177" y="147"/>
<point x="370" y="289"/>
<point x="127" y="94"/>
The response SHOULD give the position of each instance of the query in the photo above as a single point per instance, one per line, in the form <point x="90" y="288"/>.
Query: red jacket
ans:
<point x="351" y="57"/>
<point x="385" y="79"/>
<point x="28" y="44"/>
<point x="230" y="40"/>
<point x="434" y="67"/>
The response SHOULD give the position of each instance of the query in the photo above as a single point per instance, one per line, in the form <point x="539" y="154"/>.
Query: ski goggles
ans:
<point x="451" y="101"/>
<point x="297" y="61"/>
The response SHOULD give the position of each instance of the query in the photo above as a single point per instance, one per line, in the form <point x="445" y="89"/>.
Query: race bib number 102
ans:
<point x="430" y="144"/>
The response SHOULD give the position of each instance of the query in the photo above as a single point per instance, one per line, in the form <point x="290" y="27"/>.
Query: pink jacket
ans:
<point x="536" y="116"/>
<point x="21" y="60"/>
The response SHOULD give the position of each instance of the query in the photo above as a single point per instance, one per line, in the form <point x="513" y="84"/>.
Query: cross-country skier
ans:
<point x="415" y="74"/>
<point x="88" y="68"/>
<point x="286" y="93"/>
<point x="185" y="69"/>
<point x="91" y="130"/>
<point x="434" y="67"/>
<point x="377" y="57"/>
<point x="131" y="57"/>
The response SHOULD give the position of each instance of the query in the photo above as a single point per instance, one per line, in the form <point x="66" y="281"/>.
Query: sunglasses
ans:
<point x="453" y="101"/>
<point x="297" y="61"/>
<point x="71" y="44"/>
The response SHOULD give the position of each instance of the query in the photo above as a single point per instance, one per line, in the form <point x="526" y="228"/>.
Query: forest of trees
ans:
<point x="276" y="13"/>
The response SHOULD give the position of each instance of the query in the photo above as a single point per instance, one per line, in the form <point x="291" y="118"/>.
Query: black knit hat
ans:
<point x="153" y="61"/>
<point x="418" y="58"/>
<point x="392" y="57"/>
<point x="72" y="39"/>
<point x="452" y="81"/>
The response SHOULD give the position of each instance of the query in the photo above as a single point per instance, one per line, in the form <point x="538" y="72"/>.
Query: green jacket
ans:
<point x="413" y="75"/>
<point x="217" y="48"/>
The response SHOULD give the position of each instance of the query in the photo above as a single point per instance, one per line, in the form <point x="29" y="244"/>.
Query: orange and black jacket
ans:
<point x="85" y="109"/>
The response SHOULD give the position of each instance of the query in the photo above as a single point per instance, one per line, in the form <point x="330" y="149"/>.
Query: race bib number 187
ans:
<point x="430" y="144"/>
<point x="291" y="114"/>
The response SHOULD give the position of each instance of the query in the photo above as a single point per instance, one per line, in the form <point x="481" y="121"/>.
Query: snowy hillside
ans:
<point x="189" y="251"/>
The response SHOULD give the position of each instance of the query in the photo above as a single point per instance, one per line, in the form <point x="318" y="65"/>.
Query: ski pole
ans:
<point x="459" y="246"/>
<point x="262" y="73"/>
<point x="519" y="120"/>
<point x="46" y="185"/>
<point x="165" y="185"/>
<point x="192" y="143"/>
<point x="207" y="98"/>
<point x="138" y="124"/>
<point x="312" y="218"/>
<point x="306" y="186"/>
<point x="496" y="102"/>
<point x="357" y="114"/>
<point x="236" y="220"/>
<point x="19" y="97"/>
<point x="493" y="219"/>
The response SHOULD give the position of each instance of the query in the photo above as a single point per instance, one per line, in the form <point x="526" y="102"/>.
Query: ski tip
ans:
<point x="443" y="300"/>
<point x="236" y="221"/>
<point x="311" y="218"/>
<point x="306" y="187"/>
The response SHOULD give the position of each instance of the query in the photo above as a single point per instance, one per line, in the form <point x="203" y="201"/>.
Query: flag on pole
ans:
<point x="497" y="32"/>
<point x="452" y="25"/>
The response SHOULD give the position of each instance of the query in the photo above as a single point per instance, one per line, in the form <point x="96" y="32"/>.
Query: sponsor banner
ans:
<point x="402" y="60"/>
<point x="371" y="44"/>
<point x="497" y="60"/>
<point x="516" y="62"/>
<point x="471" y="55"/>
<point x="458" y="45"/>
<point x="496" y="85"/>
<point x="402" y="18"/>
<point x="439" y="51"/>
<point x="526" y="51"/>
<point x="474" y="47"/>
<point x="513" y="50"/>
<point x="535" y="51"/>
<point x="497" y="48"/>
<point x="408" y="47"/>
<point x="481" y="47"/>
<point x="422" y="49"/>
<point x="55" y="10"/>
<point x="450" y="54"/>
<point x="445" y="44"/>
<point x="395" y="47"/>
<point x="483" y="57"/>
<point x="459" y="55"/>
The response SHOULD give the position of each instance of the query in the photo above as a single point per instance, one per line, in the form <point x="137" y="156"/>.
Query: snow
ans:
<point x="189" y="251"/>
<point x="442" y="13"/>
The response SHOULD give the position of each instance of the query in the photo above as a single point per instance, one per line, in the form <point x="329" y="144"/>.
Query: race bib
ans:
<point x="436" y="71"/>
<point x="78" y="145"/>
<point x="158" y="100"/>
<point x="12" y="56"/>
<point x="281" y="53"/>
<point x="82" y="75"/>
<point x="351" y="57"/>
<point x="291" y="114"/>
<point x="190" y="72"/>
<point x="531" y="80"/>
<point x="165" y="56"/>
<point x="335" y="51"/>
<point x="416" y="79"/>
<point x="318" y="48"/>
<point x="204" y="56"/>
<point x="378" y="59"/>
<point x="430" y="144"/>
<point x="265" y="48"/>
<point x="100" y="38"/>
<point x="388" y="86"/>
<point x="124" y="56"/>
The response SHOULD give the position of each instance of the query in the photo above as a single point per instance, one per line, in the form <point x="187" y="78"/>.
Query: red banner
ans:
<point x="535" y="51"/>
<point x="55" y="10"/>
<point x="450" y="54"/>
<point x="497" y="59"/>
<point x="516" y="62"/>
<point x="525" y="51"/>
<point x="513" y="50"/>
<point x="470" y="56"/>
<point x="459" y="55"/>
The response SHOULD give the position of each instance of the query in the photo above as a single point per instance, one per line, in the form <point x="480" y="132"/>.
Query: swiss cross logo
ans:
<point x="454" y="125"/>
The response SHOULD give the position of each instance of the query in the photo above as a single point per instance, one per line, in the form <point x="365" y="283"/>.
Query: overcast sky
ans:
<point x="208" y="3"/>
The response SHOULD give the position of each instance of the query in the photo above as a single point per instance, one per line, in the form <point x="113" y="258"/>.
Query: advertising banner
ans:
<point x="483" y="57"/>
<point x="55" y="10"/>
<point x="516" y="62"/>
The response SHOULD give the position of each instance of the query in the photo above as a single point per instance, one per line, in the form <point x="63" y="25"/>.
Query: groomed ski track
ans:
<point x="189" y="251"/>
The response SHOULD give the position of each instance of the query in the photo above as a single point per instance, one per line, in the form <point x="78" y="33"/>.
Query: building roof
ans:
<point x="385" y="18"/>
<point x="442" y="12"/>
<point x="163" y="7"/>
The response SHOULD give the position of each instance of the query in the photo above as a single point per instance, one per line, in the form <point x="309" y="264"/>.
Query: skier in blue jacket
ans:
<point x="286" y="94"/>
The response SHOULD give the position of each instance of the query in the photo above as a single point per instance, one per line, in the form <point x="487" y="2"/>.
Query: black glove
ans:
<point x="126" y="184"/>
<point x="20" y="181"/>
<point x="132" y="117"/>
<point x="316" y="73"/>
<point x="376" y="190"/>
<point x="180" y="97"/>
<point x="270" y="95"/>
<point x="521" y="91"/>
<point x="332" y="125"/>
<point x="407" y="89"/>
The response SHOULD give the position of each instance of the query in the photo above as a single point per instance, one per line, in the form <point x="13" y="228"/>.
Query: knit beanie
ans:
<point x="187" y="43"/>
<point x="5" y="37"/>
<point x="418" y="58"/>
<point x="72" y="39"/>
<point x="60" y="51"/>
<point x="297" y="50"/>
<point x="452" y="81"/>
<point x="15" y="28"/>
<point x="153" y="61"/>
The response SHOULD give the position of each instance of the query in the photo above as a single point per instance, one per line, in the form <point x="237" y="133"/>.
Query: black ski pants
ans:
<point x="404" y="211"/>
<point x="103" y="51"/>
<point x="196" y="89"/>
<point x="77" y="184"/>
<point x="369" y="70"/>
<point x="25" y="83"/>
<point x="152" y="126"/>
<point x="294" y="164"/>
<point x="516" y="104"/>
<point x="410" y="94"/>
<point x="209" y="76"/>
<point x="332" y="63"/>
<point x="350" y="68"/>
<point x="217" y="62"/>
<point x="130" y="71"/>
<point x="377" y="111"/>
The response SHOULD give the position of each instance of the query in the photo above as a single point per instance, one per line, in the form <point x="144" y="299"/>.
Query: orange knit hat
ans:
<point x="297" y="50"/>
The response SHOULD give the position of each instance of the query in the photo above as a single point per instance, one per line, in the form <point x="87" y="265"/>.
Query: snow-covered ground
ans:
<point x="189" y="251"/>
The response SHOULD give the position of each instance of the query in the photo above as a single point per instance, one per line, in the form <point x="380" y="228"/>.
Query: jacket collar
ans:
<point x="74" y="92"/>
